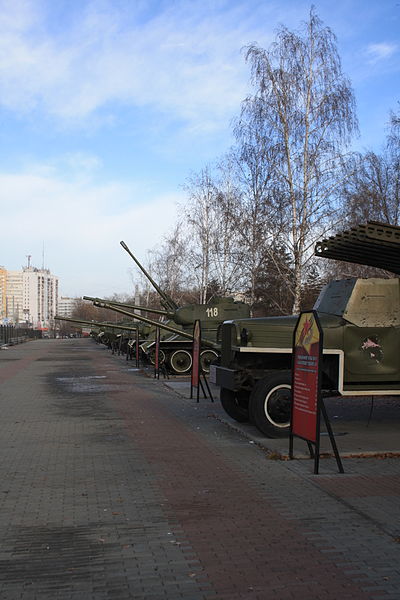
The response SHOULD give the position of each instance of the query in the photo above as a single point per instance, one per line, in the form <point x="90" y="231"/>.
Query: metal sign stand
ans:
<point x="137" y="349"/>
<point x="128" y="351"/>
<point x="157" y="355"/>
<point x="331" y="437"/>
<point x="197" y="371"/>
<point x="157" y="365"/>
<point x="307" y="401"/>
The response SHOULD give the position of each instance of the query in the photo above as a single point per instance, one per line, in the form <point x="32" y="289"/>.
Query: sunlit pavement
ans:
<point x="116" y="484"/>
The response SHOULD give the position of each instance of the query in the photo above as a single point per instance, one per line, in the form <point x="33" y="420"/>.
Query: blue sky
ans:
<point x="108" y="106"/>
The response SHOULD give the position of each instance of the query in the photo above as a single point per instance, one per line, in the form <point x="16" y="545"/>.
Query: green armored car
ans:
<point x="361" y="325"/>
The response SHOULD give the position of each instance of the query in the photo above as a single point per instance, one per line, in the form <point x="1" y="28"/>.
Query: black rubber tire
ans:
<point x="270" y="404"/>
<point x="231" y="405"/>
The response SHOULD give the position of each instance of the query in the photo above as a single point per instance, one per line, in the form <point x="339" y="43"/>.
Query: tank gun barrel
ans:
<point x="155" y="323"/>
<point x="157" y="311"/>
<point x="95" y="323"/>
<point x="169" y="303"/>
<point x="102" y="304"/>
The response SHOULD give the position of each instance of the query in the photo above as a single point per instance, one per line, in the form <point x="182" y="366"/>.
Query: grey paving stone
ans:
<point x="89" y="507"/>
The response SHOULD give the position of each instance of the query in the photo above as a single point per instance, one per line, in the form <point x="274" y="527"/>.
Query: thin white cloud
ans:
<point x="381" y="51"/>
<point x="183" y="61"/>
<point x="76" y="166"/>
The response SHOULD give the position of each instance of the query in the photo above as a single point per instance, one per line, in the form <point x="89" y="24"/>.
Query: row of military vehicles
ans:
<point x="176" y="326"/>
<point x="251" y="357"/>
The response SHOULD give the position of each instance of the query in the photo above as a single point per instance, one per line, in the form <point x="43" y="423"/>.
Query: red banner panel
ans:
<point x="306" y="377"/>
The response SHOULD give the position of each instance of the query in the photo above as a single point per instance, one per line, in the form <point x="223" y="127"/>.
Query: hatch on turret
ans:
<point x="363" y="302"/>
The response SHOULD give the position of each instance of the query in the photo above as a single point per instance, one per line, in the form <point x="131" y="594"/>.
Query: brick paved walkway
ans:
<point x="113" y="486"/>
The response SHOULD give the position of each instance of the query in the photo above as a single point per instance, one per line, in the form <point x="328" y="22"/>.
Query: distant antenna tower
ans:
<point x="29" y="256"/>
<point x="43" y="257"/>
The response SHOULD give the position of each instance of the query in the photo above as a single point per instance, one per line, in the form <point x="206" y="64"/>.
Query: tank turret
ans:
<point x="217" y="310"/>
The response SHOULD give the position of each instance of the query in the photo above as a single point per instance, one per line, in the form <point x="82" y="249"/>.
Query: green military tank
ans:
<point x="109" y="334"/>
<point x="177" y="328"/>
<point x="177" y="325"/>
<point x="360" y="319"/>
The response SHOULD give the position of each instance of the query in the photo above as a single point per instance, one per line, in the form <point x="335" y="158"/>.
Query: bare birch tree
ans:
<point x="199" y="216"/>
<point x="306" y="106"/>
<point x="258" y="217"/>
<point x="168" y="264"/>
<point x="227" y="255"/>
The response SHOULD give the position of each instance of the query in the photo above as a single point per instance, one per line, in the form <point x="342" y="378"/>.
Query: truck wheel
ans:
<point x="233" y="407"/>
<point x="270" y="404"/>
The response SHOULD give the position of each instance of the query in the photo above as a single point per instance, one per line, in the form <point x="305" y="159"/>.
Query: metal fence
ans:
<point x="12" y="334"/>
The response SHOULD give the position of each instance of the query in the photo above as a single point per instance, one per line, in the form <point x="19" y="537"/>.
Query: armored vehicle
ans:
<point x="177" y="325"/>
<point x="361" y="325"/>
<point x="176" y="343"/>
<point x="109" y="334"/>
<point x="176" y="349"/>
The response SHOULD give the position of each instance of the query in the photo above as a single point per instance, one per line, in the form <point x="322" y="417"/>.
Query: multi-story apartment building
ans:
<point x="66" y="306"/>
<point x="30" y="296"/>
<point x="3" y="285"/>
<point x="40" y="294"/>
<point x="14" y="297"/>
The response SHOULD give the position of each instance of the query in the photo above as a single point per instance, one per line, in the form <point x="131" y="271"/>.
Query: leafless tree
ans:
<point x="372" y="187"/>
<point x="370" y="191"/>
<point x="258" y="217"/>
<point x="305" y="109"/>
<point x="85" y="309"/>
<point x="200" y="216"/>
<point x="227" y="253"/>
<point x="168" y="264"/>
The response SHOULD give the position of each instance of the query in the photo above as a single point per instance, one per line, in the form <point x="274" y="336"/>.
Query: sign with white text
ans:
<point x="306" y="374"/>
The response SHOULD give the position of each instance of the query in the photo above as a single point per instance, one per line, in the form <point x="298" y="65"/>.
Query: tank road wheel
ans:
<point x="270" y="404"/>
<point x="181" y="361"/>
<point x="206" y="358"/>
<point x="152" y="356"/>
<point x="234" y="406"/>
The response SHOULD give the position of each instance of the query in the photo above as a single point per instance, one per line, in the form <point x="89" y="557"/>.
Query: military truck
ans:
<point x="360" y="319"/>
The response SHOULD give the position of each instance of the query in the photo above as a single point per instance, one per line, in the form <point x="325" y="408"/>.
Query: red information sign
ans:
<point x="307" y="350"/>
